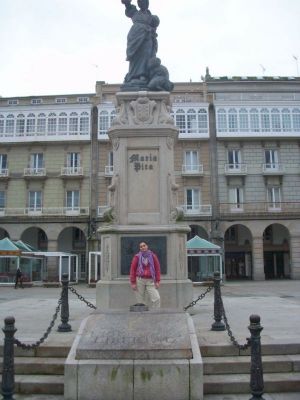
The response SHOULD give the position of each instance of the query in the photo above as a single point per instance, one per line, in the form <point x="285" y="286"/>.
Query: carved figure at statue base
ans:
<point x="142" y="47"/>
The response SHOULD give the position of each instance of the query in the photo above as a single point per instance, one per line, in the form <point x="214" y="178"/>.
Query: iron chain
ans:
<point x="25" y="346"/>
<point x="73" y="290"/>
<point x="202" y="295"/>
<point x="230" y="334"/>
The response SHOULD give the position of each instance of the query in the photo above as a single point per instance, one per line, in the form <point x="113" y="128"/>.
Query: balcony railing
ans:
<point x="71" y="171"/>
<point x="260" y="208"/>
<point x="272" y="169"/>
<point x="109" y="170"/>
<point x="35" y="172"/>
<point x="197" y="210"/>
<point x="192" y="169"/>
<point x="44" y="211"/>
<point x="4" y="172"/>
<point x="236" y="169"/>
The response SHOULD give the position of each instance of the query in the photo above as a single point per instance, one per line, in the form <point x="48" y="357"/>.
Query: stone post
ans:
<point x="295" y="256"/>
<point x="258" y="273"/>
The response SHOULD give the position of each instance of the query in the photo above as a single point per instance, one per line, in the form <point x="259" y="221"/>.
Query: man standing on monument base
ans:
<point x="141" y="48"/>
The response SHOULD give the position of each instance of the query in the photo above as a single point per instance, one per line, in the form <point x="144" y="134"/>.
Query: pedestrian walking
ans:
<point x="19" y="278"/>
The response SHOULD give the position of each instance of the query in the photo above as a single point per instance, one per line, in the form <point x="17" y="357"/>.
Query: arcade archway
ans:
<point x="276" y="240"/>
<point x="197" y="230"/>
<point x="36" y="238"/>
<point x="3" y="234"/>
<point x="238" y="252"/>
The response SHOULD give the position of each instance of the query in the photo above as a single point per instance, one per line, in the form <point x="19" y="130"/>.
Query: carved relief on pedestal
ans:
<point x="110" y="213"/>
<point x="115" y="143"/>
<point x="121" y="117"/>
<point x="170" y="142"/>
<point x="143" y="111"/>
<point x="165" y="117"/>
<point x="176" y="212"/>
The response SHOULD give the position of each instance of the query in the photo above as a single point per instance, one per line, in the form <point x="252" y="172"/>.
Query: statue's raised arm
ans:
<point x="141" y="46"/>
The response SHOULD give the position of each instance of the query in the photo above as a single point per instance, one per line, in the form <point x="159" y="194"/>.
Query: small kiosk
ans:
<point x="15" y="255"/>
<point x="204" y="258"/>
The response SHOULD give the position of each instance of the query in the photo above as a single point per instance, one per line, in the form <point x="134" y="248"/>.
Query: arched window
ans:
<point x="232" y="120"/>
<point x="296" y="119"/>
<point x="254" y="120"/>
<point x="222" y="120"/>
<point x="265" y="120"/>
<point x="41" y="124"/>
<point x="202" y="121"/>
<point x="63" y="123"/>
<point x="20" y="125"/>
<point x="286" y="120"/>
<point x="1" y="125"/>
<point x="84" y="123"/>
<point x="10" y="125"/>
<point x="191" y="121"/>
<point x="103" y="122"/>
<point x="244" y="120"/>
<point x="30" y="124"/>
<point x="52" y="124"/>
<point x="275" y="118"/>
<point x="180" y="121"/>
<point x="73" y="124"/>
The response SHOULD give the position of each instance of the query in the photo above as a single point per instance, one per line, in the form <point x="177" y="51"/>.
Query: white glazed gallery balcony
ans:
<point x="192" y="170"/>
<point x="32" y="172"/>
<point x="71" y="171"/>
<point x="235" y="169"/>
<point x="197" y="210"/>
<point x="44" y="211"/>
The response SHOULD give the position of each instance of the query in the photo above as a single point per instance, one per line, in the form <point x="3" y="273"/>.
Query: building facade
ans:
<point x="237" y="164"/>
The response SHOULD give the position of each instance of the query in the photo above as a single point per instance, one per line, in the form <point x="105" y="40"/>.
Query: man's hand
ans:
<point x="133" y="285"/>
<point x="157" y="285"/>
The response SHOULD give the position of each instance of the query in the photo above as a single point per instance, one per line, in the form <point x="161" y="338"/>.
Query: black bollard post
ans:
<point x="8" y="373"/>
<point x="257" y="377"/>
<point x="218" y="325"/>
<point x="64" y="326"/>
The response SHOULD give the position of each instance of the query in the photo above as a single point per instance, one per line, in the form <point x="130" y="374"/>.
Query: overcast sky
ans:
<point x="65" y="46"/>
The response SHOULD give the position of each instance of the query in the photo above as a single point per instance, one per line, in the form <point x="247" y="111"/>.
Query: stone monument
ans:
<point x="120" y="354"/>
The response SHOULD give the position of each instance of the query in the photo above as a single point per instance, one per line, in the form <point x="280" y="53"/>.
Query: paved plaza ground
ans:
<point x="277" y="302"/>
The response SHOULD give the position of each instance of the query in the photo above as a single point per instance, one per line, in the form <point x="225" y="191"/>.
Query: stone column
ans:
<point x="295" y="257"/>
<point x="52" y="265"/>
<point x="258" y="259"/>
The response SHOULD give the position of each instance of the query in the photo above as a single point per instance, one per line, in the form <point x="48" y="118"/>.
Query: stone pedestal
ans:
<point x="121" y="355"/>
<point x="143" y="202"/>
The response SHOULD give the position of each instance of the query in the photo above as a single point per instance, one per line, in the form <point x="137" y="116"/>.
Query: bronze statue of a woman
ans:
<point x="141" y="46"/>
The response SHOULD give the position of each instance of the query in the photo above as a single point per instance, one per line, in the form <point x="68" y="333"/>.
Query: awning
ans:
<point x="197" y="245"/>
<point x="9" y="248"/>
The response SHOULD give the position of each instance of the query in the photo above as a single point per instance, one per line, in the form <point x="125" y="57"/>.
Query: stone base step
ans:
<point x="241" y="364"/>
<point x="41" y="351"/>
<point x="224" y="350"/>
<point x="38" y="365"/>
<point x="39" y="384"/>
<point x="266" y="396"/>
<point x="38" y="397"/>
<point x="239" y="383"/>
